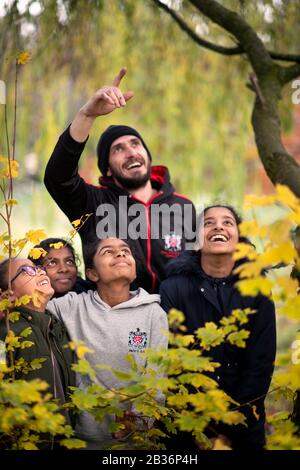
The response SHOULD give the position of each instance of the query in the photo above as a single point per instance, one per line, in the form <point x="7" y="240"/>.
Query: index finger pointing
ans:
<point x="118" y="78"/>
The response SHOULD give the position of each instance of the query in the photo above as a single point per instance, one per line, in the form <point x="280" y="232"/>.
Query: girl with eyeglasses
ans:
<point x="48" y="333"/>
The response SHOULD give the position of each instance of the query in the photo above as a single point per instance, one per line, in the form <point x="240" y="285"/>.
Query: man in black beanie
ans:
<point x="130" y="186"/>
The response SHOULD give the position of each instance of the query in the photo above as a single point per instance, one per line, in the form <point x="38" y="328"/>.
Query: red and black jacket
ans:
<point x="155" y="238"/>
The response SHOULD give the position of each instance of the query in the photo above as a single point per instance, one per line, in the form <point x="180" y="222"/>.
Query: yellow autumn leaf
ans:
<point x="237" y="338"/>
<point x="251" y="269"/>
<point x="252" y="228"/>
<point x="10" y="202"/>
<point x="82" y="220"/>
<point x="39" y="298"/>
<point x="220" y="444"/>
<point x="5" y="304"/>
<point x="80" y="348"/>
<point x="23" y="57"/>
<point x="72" y="233"/>
<point x="253" y="287"/>
<point x="36" y="253"/>
<point x="29" y="446"/>
<point x="19" y="244"/>
<point x="286" y="197"/>
<point x="210" y="335"/>
<point x="290" y="309"/>
<point x="24" y="300"/>
<point x="241" y="315"/>
<point x="279" y="231"/>
<point x="10" y="169"/>
<point x="12" y="341"/>
<point x="35" y="236"/>
<point x="294" y="217"/>
<point x="57" y="245"/>
<point x="286" y="287"/>
<point x="252" y="200"/>
<point x="76" y="222"/>
<point x="187" y="340"/>
<point x="244" y="250"/>
<point x="283" y="253"/>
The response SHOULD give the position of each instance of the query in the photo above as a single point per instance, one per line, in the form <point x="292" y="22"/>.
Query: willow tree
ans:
<point x="76" y="50"/>
<point x="269" y="71"/>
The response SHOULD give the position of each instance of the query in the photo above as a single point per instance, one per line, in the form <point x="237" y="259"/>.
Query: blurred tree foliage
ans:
<point x="191" y="106"/>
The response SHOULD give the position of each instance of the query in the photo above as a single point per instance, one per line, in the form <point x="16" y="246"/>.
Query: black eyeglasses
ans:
<point x="30" y="270"/>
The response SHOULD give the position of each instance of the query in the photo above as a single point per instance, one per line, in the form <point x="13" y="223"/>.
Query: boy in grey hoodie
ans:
<point x="113" y="321"/>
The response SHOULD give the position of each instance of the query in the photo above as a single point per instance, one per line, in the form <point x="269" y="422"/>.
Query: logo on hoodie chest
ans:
<point x="137" y="341"/>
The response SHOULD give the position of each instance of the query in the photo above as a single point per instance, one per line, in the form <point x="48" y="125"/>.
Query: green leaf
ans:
<point x="238" y="338"/>
<point x="14" y="316"/>
<point x="26" y="332"/>
<point x="72" y="443"/>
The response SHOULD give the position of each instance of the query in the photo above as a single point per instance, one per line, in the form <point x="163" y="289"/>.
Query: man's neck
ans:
<point x="144" y="193"/>
<point x="217" y="265"/>
<point x="114" y="293"/>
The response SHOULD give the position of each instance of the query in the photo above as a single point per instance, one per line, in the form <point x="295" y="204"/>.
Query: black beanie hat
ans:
<point x="107" y="138"/>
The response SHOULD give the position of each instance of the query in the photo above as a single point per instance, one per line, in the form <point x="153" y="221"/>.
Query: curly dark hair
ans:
<point x="46" y="245"/>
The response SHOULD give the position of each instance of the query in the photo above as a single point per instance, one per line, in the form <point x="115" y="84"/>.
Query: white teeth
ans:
<point x="43" y="282"/>
<point x="134" y="165"/>
<point x="218" y="237"/>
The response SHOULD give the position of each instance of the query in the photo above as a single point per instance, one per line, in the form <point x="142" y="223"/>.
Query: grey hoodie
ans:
<point x="112" y="332"/>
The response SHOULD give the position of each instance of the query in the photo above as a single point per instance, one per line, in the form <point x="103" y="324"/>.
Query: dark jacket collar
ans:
<point x="39" y="318"/>
<point x="189" y="264"/>
<point x="159" y="177"/>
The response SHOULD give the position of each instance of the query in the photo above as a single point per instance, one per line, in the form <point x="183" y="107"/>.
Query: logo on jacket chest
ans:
<point x="173" y="242"/>
<point x="172" y="245"/>
<point x="137" y="340"/>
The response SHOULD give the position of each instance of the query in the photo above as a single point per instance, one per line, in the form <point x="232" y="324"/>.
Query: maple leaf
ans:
<point x="35" y="236"/>
<point x="23" y="57"/>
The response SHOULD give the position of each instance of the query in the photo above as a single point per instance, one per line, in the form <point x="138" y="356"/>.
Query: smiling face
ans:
<point x="113" y="261"/>
<point x="129" y="162"/>
<point x="61" y="268"/>
<point x="220" y="231"/>
<point x="25" y="284"/>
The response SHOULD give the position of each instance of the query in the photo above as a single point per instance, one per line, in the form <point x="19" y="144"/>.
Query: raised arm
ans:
<point x="104" y="101"/>
<point x="62" y="180"/>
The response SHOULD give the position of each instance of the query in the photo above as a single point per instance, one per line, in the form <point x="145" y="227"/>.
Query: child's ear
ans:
<point x="92" y="275"/>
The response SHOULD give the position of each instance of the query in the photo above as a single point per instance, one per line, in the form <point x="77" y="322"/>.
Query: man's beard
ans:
<point x="134" y="182"/>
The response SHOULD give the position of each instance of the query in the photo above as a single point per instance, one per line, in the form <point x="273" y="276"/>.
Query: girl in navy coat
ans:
<point x="202" y="285"/>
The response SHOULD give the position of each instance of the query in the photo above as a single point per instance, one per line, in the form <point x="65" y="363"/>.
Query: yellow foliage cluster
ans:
<point x="279" y="251"/>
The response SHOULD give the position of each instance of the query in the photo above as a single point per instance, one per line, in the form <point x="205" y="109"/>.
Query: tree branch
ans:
<point x="289" y="73"/>
<point x="196" y="38"/>
<point x="214" y="47"/>
<point x="285" y="57"/>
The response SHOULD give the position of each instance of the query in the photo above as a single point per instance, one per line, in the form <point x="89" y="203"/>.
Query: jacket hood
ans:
<point x="189" y="264"/>
<point x="138" y="298"/>
<point x="159" y="177"/>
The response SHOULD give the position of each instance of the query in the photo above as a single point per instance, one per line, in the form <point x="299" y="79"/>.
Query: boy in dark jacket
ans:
<point x="202" y="286"/>
<point x="48" y="334"/>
